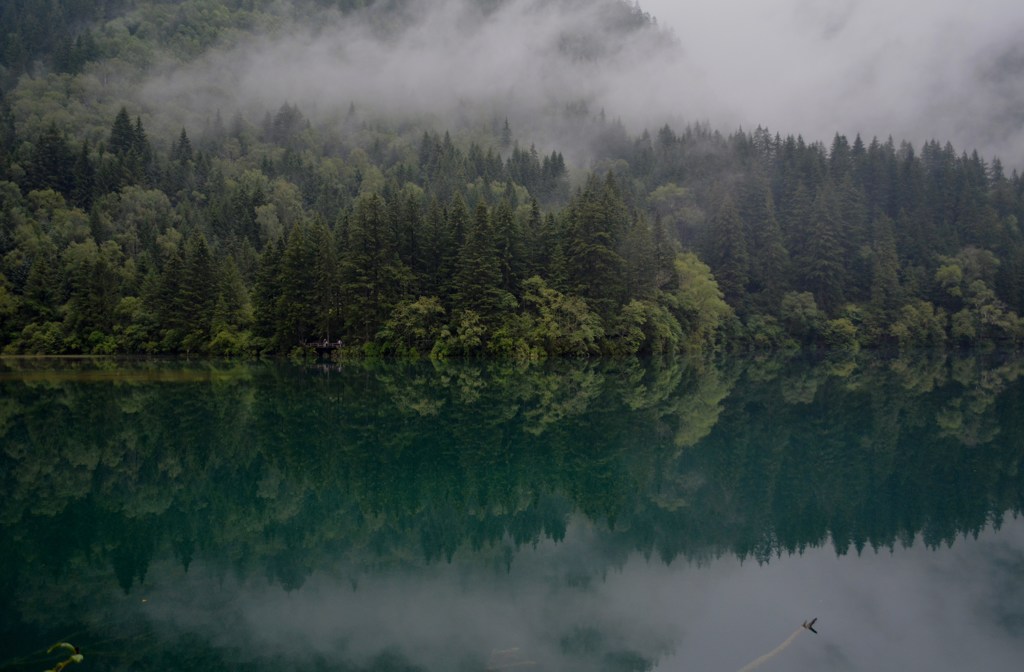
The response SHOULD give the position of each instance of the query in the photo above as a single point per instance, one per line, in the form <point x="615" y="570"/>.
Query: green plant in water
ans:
<point x="75" y="657"/>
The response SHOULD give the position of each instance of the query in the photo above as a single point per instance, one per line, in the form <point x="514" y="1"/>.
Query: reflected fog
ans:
<point x="627" y="515"/>
<point x="912" y="608"/>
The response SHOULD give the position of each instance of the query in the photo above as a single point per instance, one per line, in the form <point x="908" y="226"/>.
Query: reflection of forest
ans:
<point x="279" y="470"/>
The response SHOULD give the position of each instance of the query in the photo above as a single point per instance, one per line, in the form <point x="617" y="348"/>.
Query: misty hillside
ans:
<point x="455" y="178"/>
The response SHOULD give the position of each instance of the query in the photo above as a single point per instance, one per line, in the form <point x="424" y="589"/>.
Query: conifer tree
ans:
<point x="727" y="252"/>
<point x="122" y="135"/>
<point x="52" y="163"/>
<point x="640" y="257"/>
<point x="822" y="265"/>
<point x="885" y="284"/>
<point x="437" y="246"/>
<point x="508" y="242"/>
<point x="769" y="258"/>
<point x="597" y="219"/>
<point x="478" y="274"/>
<point x="326" y="291"/>
<point x="84" y="179"/>
<point x="197" y="292"/>
<point x="297" y="313"/>
<point x="374" y="279"/>
<point x="267" y="293"/>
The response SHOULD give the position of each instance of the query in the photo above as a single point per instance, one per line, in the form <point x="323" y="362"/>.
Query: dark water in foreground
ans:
<point x="596" y="516"/>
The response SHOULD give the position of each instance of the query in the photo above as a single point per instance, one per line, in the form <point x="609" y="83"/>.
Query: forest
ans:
<point x="128" y="229"/>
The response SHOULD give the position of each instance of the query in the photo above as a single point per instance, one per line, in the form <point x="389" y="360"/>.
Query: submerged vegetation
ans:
<point x="270" y="229"/>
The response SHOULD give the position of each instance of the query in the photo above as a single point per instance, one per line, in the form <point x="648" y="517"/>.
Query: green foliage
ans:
<point x="597" y="221"/>
<point x="801" y="317"/>
<point x="412" y="328"/>
<point x="647" y="328"/>
<point x="840" y="334"/>
<point x="558" y="324"/>
<point x="463" y="338"/>
<point x="40" y="339"/>
<point x="479" y="274"/>
<point x="264" y="232"/>
<point x="765" y="332"/>
<point x="727" y="252"/>
<point x="697" y="303"/>
<point x="919" y="324"/>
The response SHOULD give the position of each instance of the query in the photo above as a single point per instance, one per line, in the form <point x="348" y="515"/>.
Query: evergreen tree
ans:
<point x="172" y="312"/>
<point x="181" y="152"/>
<point x="437" y="250"/>
<point x="298" y="313"/>
<point x="821" y="263"/>
<point x="535" y="245"/>
<point x="727" y="252"/>
<point x="326" y="295"/>
<point x="478" y="278"/>
<point x="197" y="293"/>
<point x="83" y="179"/>
<point x="233" y="310"/>
<point x="769" y="260"/>
<point x="639" y="255"/>
<point x="508" y="242"/>
<point x="885" y="283"/>
<point x="596" y="221"/>
<point x="374" y="279"/>
<point x="267" y="294"/>
<point x="122" y="134"/>
<point x="52" y="163"/>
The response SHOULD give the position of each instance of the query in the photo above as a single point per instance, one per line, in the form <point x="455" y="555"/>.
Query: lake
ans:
<point x="618" y="516"/>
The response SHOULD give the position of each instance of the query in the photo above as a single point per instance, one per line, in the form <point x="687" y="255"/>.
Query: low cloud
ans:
<point x="523" y="58"/>
<point x="914" y="70"/>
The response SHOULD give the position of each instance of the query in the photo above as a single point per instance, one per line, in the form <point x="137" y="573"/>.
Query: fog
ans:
<point x="562" y="606"/>
<point x="526" y="59"/>
<point x="915" y="70"/>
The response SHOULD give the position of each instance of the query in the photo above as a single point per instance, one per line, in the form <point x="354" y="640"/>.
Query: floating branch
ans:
<point x="807" y="625"/>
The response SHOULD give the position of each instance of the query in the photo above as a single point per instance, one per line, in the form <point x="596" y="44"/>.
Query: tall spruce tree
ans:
<point x="478" y="277"/>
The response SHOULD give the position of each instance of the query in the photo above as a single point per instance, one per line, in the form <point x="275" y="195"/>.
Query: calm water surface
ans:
<point x="593" y="516"/>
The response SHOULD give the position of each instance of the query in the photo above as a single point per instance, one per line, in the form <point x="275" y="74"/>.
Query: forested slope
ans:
<point x="126" y="227"/>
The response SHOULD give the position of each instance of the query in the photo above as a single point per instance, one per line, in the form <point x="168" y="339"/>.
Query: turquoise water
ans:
<point x="568" y="516"/>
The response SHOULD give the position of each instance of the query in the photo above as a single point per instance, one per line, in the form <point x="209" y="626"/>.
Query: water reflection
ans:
<point x="438" y="517"/>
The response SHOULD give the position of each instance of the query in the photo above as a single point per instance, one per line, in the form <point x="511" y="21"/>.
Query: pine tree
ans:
<point x="326" y="293"/>
<point x="52" y="163"/>
<point x="181" y="151"/>
<point x="508" y="242"/>
<point x="374" y="279"/>
<point x="83" y="179"/>
<point x="437" y="246"/>
<point x="297" y="314"/>
<point x="727" y="252"/>
<point x="821" y="263"/>
<point x="885" y="283"/>
<point x="478" y="275"/>
<point x="197" y="292"/>
<point x="167" y="301"/>
<point x="267" y="294"/>
<point x="638" y="252"/>
<point x="769" y="263"/>
<point x="233" y="310"/>
<point x="536" y="251"/>
<point x="122" y="134"/>
<point x="597" y="220"/>
<point x="506" y="135"/>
